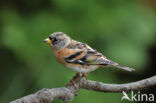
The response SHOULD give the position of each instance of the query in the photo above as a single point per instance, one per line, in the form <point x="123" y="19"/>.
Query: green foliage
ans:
<point x="121" y="30"/>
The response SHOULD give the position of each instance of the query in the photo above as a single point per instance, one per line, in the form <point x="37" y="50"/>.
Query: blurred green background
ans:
<point x="123" y="30"/>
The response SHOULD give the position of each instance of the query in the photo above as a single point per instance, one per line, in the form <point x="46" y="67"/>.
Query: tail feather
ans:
<point x="125" y="68"/>
<point x="107" y="62"/>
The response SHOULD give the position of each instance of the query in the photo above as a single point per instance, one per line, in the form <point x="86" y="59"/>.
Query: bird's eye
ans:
<point x="54" y="39"/>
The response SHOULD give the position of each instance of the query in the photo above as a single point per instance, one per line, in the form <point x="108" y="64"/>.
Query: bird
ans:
<point x="79" y="56"/>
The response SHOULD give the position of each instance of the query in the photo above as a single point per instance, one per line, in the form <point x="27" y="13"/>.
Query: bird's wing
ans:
<point x="75" y="51"/>
<point x="84" y="54"/>
<point x="93" y="57"/>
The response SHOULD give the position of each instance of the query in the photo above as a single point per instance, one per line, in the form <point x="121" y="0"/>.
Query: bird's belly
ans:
<point x="83" y="69"/>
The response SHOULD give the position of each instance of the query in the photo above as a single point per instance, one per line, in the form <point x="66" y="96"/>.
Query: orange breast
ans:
<point x="61" y="54"/>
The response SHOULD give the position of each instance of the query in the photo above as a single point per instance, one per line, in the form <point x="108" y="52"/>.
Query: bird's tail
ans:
<point x="114" y="64"/>
<point x="110" y="63"/>
<point x="125" y="68"/>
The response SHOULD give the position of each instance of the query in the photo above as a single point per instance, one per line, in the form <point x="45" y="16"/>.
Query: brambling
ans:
<point x="78" y="56"/>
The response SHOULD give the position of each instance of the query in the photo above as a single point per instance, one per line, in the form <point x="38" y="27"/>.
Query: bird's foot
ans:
<point x="84" y="75"/>
<point x="75" y="80"/>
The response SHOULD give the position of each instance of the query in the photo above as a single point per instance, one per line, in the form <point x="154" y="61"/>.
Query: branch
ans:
<point x="67" y="93"/>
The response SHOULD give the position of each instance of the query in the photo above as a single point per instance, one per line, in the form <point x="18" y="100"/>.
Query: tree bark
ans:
<point x="67" y="93"/>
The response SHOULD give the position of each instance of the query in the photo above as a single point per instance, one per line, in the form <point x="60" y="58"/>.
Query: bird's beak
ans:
<point x="47" y="40"/>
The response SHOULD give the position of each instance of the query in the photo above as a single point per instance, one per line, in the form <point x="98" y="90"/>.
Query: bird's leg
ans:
<point x="77" y="74"/>
<point x="78" y="77"/>
<point x="84" y="75"/>
<point x="75" y="79"/>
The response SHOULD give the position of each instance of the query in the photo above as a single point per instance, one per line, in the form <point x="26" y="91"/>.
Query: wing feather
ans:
<point x="88" y="56"/>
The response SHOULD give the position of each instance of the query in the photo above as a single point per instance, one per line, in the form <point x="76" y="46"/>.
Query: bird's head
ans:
<point x="58" y="40"/>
